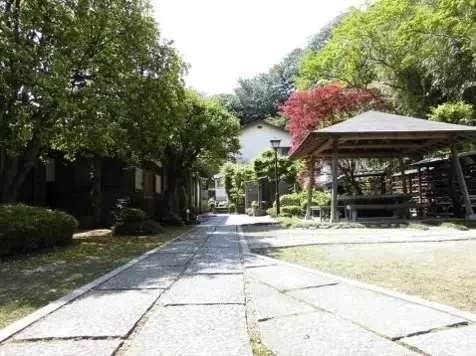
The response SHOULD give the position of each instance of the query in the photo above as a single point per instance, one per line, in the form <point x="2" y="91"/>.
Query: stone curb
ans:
<point x="21" y="324"/>
<point x="244" y="245"/>
<point x="405" y="297"/>
<point x="255" y="245"/>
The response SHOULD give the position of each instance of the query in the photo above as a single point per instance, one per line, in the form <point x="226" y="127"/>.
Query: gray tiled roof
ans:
<point x="375" y="121"/>
<point x="378" y="134"/>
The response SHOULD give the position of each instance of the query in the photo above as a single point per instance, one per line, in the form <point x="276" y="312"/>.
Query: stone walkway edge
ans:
<point x="19" y="325"/>
<point x="402" y="296"/>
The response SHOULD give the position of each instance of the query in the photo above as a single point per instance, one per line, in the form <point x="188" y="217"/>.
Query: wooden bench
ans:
<point x="353" y="209"/>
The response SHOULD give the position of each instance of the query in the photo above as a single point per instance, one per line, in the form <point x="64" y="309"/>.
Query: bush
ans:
<point x="27" y="228"/>
<point x="172" y="220"/>
<point x="293" y="210"/>
<point x="271" y="212"/>
<point x="290" y="200"/>
<point x="249" y="211"/>
<point x="318" y="198"/>
<point x="150" y="227"/>
<point x="212" y="203"/>
<point x="134" y="228"/>
<point x="132" y="215"/>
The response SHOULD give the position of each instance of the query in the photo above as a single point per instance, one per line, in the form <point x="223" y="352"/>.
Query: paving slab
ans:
<point x="271" y="304"/>
<point x="99" y="313"/>
<point x="321" y="333"/>
<point x="62" y="348"/>
<point x="284" y="277"/>
<point x="214" y="266"/>
<point x="205" y="288"/>
<point x="452" y="342"/>
<point x="182" y="246"/>
<point x="381" y="313"/>
<point x="199" y="330"/>
<point x="144" y="275"/>
<point x="167" y="259"/>
<point x="251" y="261"/>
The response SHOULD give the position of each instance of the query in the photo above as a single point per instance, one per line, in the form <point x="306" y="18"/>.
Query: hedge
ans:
<point x="318" y="198"/>
<point x="293" y="210"/>
<point x="133" y="221"/>
<point x="27" y="228"/>
<point x="290" y="199"/>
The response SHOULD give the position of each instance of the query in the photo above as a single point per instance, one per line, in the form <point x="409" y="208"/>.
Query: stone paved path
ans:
<point x="189" y="299"/>
<point x="186" y="299"/>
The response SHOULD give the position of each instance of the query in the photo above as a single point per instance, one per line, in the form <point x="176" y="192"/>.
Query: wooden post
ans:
<point x="402" y="171"/>
<point x="312" y="169"/>
<point x="462" y="183"/>
<point x="420" y="196"/>
<point x="334" y="216"/>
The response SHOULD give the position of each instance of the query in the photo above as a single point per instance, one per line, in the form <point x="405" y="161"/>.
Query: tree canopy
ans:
<point x="419" y="53"/>
<point x="82" y="77"/>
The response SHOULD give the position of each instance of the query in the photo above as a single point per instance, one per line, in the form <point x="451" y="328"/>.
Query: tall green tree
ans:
<point x="371" y="47"/>
<point x="92" y="79"/>
<point x="206" y="135"/>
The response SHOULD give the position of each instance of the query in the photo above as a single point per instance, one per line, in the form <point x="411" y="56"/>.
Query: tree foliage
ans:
<point x="206" y="135"/>
<point x="458" y="113"/>
<point x="234" y="175"/>
<point x="264" y="166"/>
<point x="419" y="53"/>
<point x="82" y="77"/>
<point x="324" y="106"/>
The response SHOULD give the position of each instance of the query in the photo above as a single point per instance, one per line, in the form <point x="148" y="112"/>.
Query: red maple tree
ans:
<point x="323" y="106"/>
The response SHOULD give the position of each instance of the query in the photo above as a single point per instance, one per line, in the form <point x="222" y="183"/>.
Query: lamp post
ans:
<point x="275" y="144"/>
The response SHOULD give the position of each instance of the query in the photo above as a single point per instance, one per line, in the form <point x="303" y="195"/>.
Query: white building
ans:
<point x="255" y="138"/>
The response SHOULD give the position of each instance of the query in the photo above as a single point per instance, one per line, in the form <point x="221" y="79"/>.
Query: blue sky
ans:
<point x="224" y="40"/>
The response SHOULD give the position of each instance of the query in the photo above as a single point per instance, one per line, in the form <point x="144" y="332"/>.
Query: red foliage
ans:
<point x="321" y="107"/>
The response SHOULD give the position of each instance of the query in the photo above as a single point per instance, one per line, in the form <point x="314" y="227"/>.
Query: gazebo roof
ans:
<point x="376" y="134"/>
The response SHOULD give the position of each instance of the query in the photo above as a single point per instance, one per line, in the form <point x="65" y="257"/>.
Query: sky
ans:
<point x="223" y="40"/>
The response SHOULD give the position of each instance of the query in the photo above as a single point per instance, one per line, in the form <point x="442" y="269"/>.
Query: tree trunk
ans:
<point x="96" y="189"/>
<point x="14" y="170"/>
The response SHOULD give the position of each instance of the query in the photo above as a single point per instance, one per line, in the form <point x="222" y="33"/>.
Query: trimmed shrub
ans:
<point x="150" y="227"/>
<point x="132" y="221"/>
<point x="293" y="210"/>
<point x="132" y="215"/>
<point x="318" y="198"/>
<point x="212" y="203"/>
<point x="290" y="199"/>
<point x="134" y="228"/>
<point x="26" y="228"/>
<point x="172" y="220"/>
<point x="271" y="212"/>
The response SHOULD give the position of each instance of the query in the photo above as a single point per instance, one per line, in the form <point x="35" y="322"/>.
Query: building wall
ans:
<point x="255" y="139"/>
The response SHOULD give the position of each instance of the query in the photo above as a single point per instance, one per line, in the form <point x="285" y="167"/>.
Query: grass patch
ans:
<point x="31" y="281"/>
<point x="442" y="272"/>
<point x="260" y="350"/>
<point x="297" y="223"/>
<point x="452" y="225"/>
<point x="418" y="226"/>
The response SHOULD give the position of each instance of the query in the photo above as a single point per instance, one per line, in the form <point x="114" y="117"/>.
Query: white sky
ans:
<point x="224" y="40"/>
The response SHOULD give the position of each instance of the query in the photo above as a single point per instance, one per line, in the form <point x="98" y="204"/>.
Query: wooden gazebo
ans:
<point x="381" y="135"/>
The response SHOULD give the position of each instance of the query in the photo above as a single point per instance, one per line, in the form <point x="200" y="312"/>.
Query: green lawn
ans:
<point x="30" y="282"/>
<point x="442" y="272"/>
